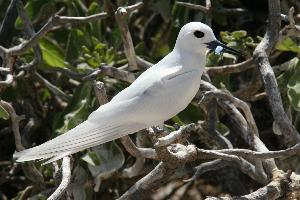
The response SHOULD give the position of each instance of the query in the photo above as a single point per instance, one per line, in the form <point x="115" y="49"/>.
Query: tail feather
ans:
<point x="85" y="135"/>
<point x="55" y="158"/>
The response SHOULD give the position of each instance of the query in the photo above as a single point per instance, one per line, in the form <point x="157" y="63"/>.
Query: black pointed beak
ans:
<point x="216" y="44"/>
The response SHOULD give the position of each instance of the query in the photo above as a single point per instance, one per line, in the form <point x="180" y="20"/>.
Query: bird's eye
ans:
<point x="199" y="34"/>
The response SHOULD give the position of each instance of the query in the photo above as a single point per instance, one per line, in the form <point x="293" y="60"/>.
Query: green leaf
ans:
<point x="226" y="36"/>
<point x="74" y="44"/>
<point x="177" y="120"/>
<point x="93" y="8"/>
<point x="288" y="45"/>
<point x="3" y="113"/>
<point x="111" y="159"/>
<point x="213" y="60"/>
<point x="294" y="95"/>
<point x="239" y="34"/>
<point x="91" y="158"/>
<point x="78" y="109"/>
<point x="294" y="84"/>
<point x="52" y="54"/>
<point x="80" y="187"/>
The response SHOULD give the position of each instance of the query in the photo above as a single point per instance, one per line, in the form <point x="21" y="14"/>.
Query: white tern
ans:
<point x="155" y="96"/>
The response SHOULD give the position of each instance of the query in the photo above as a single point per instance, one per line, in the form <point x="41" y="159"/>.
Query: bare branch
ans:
<point x="29" y="168"/>
<point x="192" y="6"/>
<point x="273" y="190"/>
<point x="248" y="128"/>
<point x="175" y="135"/>
<point x="66" y="179"/>
<point x="8" y="81"/>
<point x="66" y="19"/>
<point x="139" y="165"/>
<point x="104" y="69"/>
<point x="143" y="64"/>
<point x="262" y="155"/>
<point x="227" y="11"/>
<point x="100" y="92"/>
<point x="15" y="119"/>
<point x="260" y="57"/>
<point x="152" y="180"/>
<point x="230" y="69"/>
<point x="55" y="90"/>
<point x="136" y="151"/>
<point x="120" y="16"/>
<point x="30" y="33"/>
<point x="56" y="20"/>
<point x="209" y="12"/>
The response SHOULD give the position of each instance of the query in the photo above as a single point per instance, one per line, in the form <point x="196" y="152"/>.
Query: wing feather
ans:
<point x="128" y="112"/>
<point x="107" y="123"/>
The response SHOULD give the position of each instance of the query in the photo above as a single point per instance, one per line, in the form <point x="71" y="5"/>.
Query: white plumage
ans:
<point x="155" y="96"/>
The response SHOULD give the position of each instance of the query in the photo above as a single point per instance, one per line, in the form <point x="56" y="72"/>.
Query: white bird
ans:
<point x="155" y="96"/>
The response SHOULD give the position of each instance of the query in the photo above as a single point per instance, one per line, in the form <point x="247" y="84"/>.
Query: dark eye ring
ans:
<point x="199" y="34"/>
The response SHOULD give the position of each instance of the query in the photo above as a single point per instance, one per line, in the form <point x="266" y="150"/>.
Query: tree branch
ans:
<point x="66" y="179"/>
<point x="120" y="16"/>
<point x="260" y="57"/>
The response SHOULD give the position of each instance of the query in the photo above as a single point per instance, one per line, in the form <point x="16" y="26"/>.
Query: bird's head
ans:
<point x="196" y="37"/>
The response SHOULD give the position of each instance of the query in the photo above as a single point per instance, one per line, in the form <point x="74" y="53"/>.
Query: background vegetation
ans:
<point x="53" y="86"/>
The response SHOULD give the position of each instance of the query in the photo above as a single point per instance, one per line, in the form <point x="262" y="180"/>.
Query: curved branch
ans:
<point x="66" y="179"/>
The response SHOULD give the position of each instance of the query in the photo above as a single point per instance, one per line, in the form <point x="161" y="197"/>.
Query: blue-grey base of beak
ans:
<point x="216" y="43"/>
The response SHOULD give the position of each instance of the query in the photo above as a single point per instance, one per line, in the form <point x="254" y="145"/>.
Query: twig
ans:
<point x="213" y="154"/>
<point x="15" y="119"/>
<point x="209" y="12"/>
<point x="245" y="166"/>
<point x="152" y="180"/>
<point x="251" y="89"/>
<point x="171" y="157"/>
<point x="135" y="169"/>
<point x="51" y="87"/>
<point x="226" y="11"/>
<point x="8" y="62"/>
<point x="66" y="19"/>
<point x="120" y="16"/>
<point x="104" y="69"/>
<point x="230" y="69"/>
<point x="118" y="73"/>
<point x="139" y="165"/>
<point x="290" y="30"/>
<point x="143" y="64"/>
<point x="66" y="179"/>
<point x="55" y="20"/>
<point x="260" y="57"/>
<point x="175" y="135"/>
<point x="30" y="33"/>
<point x="8" y="81"/>
<point x="210" y="124"/>
<point x="100" y="92"/>
<point x="207" y="166"/>
<point x="249" y="131"/>
<point x="262" y="155"/>
<point x="136" y="151"/>
<point x="273" y="190"/>
<point x="192" y="6"/>
<point x="31" y="172"/>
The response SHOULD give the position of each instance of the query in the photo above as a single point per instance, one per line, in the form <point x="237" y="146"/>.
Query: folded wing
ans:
<point x="127" y="113"/>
